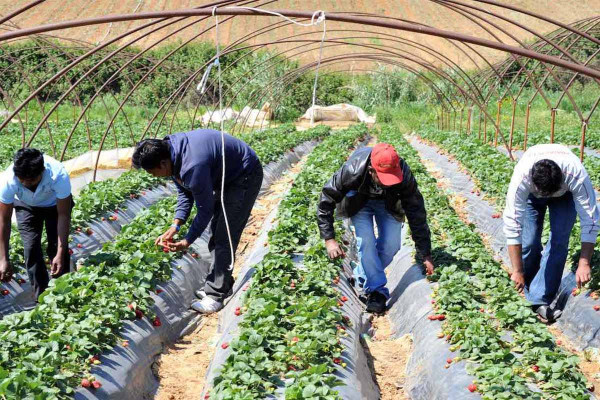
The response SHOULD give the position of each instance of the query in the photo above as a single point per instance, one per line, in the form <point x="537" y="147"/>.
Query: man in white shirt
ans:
<point x="38" y="188"/>
<point x="548" y="177"/>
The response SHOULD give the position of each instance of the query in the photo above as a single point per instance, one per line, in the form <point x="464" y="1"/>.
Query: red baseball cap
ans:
<point x="386" y="163"/>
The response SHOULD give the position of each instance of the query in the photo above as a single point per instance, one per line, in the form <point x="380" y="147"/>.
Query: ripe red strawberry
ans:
<point x="89" y="231"/>
<point x="597" y="307"/>
<point x="295" y="339"/>
<point x="337" y="360"/>
<point x="165" y="249"/>
<point x="68" y="347"/>
<point x="194" y="255"/>
<point x="21" y="281"/>
<point x="472" y="387"/>
<point x="78" y="229"/>
<point x="481" y="310"/>
<point x="115" y="218"/>
<point x="449" y="361"/>
<point x="139" y="314"/>
<point x="237" y="312"/>
<point x="86" y="383"/>
<point x="5" y="292"/>
<point x="156" y="322"/>
<point x="431" y="317"/>
<point x="292" y="285"/>
<point x="225" y="345"/>
<point x="559" y="342"/>
<point x="93" y="359"/>
<point x="448" y="337"/>
<point x="344" y="298"/>
<point x="159" y="291"/>
<point x="535" y="368"/>
<point x="103" y="219"/>
<point x="432" y="301"/>
<point x="79" y="246"/>
<point x="206" y="396"/>
<point x="291" y="368"/>
<point x="96" y="384"/>
<point x="71" y="251"/>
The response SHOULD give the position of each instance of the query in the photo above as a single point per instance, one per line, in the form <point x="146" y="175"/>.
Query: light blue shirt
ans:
<point x="55" y="184"/>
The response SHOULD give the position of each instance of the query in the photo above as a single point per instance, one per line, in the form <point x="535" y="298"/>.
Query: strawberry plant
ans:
<point x="291" y="328"/>
<point x="504" y="342"/>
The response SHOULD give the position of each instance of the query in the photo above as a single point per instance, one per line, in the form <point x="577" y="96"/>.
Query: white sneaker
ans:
<point x="207" y="305"/>
<point x="200" y="293"/>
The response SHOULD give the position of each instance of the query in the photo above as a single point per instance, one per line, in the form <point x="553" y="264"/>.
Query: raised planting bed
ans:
<point x="509" y="353"/>
<point x="102" y="208"/>
<point x="580" y="321"/>
<point x="296" y="325"/>
<point x="83" y="314"/>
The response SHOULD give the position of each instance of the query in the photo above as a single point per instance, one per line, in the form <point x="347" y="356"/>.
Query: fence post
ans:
<point x="553" y="114"/>
<point x="526" y="126"/>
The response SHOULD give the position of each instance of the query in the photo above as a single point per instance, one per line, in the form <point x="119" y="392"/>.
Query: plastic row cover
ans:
<point x="410" y="295"/>
<point x="579" y="321"/>
<point x="126" y="373"/>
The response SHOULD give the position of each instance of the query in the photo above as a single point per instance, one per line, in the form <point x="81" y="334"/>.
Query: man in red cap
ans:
<point x="375" y="186"/>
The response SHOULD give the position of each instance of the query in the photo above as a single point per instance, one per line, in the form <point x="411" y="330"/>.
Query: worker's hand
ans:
<point x="166" y="237"/>
<point x="334" y="250"/>
<point x="429" y="266"/>
<point x="583" y="273"/>
<point x="518" y="277"/>
<point x="178" y="246"/>
<point x="57" y="264"/>
<point x="6" y="271"/>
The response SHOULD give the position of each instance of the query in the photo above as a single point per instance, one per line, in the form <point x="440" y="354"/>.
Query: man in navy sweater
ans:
<point x="194" y="161"/>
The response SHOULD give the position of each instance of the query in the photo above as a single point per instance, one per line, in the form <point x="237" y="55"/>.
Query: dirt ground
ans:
<point x="388" y="358"/>
<point x="182" y="368"/>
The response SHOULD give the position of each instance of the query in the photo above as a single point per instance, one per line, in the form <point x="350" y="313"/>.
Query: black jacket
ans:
<point x="403" y="199"/>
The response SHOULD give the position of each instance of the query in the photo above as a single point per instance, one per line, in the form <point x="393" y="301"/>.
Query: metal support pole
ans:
<point x="582" y="146"/>
<point x="526" y="126"/>
<point x="479" y="132"/>
<point x="553" y="114"/>
<point x="497" y="124"/>
<point x="462" y="111"/>
<point x="454" y="121"/>
<point x="469" y="121"/>
<point x="485" y="129"/>
<point x="512" y="125"/>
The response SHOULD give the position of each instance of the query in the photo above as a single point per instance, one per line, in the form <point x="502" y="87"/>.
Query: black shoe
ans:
<point x="376" y="303"/>
<point x="547" y="313"/>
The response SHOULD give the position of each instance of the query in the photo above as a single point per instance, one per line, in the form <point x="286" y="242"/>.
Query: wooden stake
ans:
<point x="479" y="132"/>
<point x="469" y="121"/>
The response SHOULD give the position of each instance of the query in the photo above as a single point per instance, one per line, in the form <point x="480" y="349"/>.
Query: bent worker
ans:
<point x="551" y="178"/>
<point x="194" y="160"/>
<point x="375" y="186"/>
<point x="38" y="188"/>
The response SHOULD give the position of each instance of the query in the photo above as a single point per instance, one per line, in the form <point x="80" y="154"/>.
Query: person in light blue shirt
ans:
<point x="38" y="188"/>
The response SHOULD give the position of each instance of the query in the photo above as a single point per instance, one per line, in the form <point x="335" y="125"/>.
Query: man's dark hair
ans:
<point x="547" y="177"/>
<point x="149" y="153"/>
<point x="28" y="163"/>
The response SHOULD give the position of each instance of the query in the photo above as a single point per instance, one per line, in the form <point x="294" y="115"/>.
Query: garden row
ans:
<point x="510" y="353"/>
<point x="46" y="352"/>
<point x="292" y="320"/>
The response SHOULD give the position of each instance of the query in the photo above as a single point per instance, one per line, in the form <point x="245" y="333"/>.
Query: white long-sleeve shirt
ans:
<point x="575" y="180"/>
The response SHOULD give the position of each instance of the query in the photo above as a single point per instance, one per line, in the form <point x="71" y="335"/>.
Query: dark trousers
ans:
<point x="31" y="221"/>
<point x="239" y="199"/>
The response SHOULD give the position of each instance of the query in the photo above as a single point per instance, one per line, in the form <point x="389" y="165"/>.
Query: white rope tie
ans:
<point x="317" y="18"/>
<point x="218" y="64"/>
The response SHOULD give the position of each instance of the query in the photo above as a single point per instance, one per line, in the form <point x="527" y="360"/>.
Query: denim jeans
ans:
<point x="544" y="269"/>
<point x="240" y="196"/>
<point x="375" y="253"/>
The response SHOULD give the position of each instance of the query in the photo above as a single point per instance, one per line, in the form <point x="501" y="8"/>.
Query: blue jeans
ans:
<point x="375" y="253"/>
<point x="544" y="269"/>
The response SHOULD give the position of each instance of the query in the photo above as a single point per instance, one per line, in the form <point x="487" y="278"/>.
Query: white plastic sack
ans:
<point x="218" y="116"/>
<point x="337" y="112"/>
<point x="253" y="117"/>
<point x="109" y="159"/>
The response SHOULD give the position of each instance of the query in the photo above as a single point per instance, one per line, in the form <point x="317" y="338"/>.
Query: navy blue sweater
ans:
<point x="197" y="168"/>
